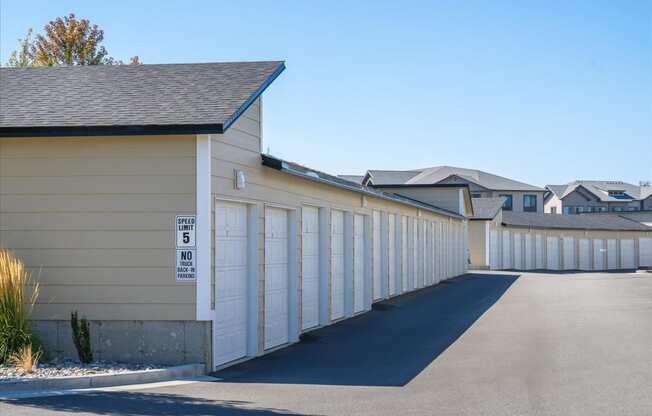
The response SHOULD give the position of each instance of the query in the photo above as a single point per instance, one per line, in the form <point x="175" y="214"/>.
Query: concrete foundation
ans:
<point x="149" y="342"/>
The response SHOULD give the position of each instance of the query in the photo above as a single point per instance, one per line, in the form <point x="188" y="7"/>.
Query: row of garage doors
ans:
<point x="345" y="261"/>
<point x="528" y="251"/>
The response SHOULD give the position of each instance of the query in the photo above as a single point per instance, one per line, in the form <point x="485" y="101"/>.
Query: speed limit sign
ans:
<point x="185" y="226"/>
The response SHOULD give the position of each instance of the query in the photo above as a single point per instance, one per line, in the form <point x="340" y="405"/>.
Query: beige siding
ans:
<point x="478" y="243"/>
<point x="553" y="202"/>
<point x="93" y="219"/>
<point x="447" y="198"/>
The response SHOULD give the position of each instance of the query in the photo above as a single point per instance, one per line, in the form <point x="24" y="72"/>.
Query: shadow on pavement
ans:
<point x="139" y="403"/>
<point x="388" y="346"/>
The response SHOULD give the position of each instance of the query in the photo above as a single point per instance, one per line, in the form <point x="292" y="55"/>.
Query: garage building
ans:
<point x="145" y="204"/>
<point x="523" y="241"/>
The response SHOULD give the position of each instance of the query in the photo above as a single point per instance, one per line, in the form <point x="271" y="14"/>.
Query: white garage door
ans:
<point x="518" y="265"/>
<point x="431" y="253"/>
<point x="377" y="271"/>
<point x="494" y="250"/>
<point x="598" y="254"/>
<point x="645" y="251"/>
<point x="552" y="246"/>
<point x="529" y="258"/>
<point x="507" y="250"/>
<point x="627" y="259"/>
<point x="612" y="254"/>
<point x="415" y="255"/>
<point x="569" y="253"/>
<point x="538" y="251"/>
<point x="337" y="264"/>
<point x="309" y="267"/>
<point x="231" y="270"/>
<point x="391" y="250"/>
<point x="358" y="263"/>
<point x="585" y="251"/>
<point x="404" y="254"/>
<point x="277" y="277"/>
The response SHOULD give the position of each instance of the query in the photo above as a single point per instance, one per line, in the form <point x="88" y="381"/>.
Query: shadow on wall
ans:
<point x="138" y="403"/>
<point x="386" y="347"/>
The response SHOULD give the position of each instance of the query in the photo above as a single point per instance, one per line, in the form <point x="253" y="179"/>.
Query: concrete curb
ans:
<point x="103" y="380"/>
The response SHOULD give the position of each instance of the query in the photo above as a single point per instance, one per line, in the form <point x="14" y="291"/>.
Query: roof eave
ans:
<point x="117" y="130"/>
<point x="254" y="96"/>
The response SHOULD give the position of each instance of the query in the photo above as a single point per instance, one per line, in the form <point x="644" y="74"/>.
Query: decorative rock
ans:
<point x="70" y="368"/>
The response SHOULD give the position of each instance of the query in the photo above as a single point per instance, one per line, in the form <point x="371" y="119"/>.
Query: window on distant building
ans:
<point x="568" y="210"/>
<point x="580" y="210"/>
<point x="530" y="203"/>
<point x="476" y="195"/>
<point x="553" y="210"/>
<point x="507" y="205"/>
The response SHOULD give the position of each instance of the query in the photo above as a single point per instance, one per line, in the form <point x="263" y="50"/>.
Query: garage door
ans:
<point x="627" y="259"/>
<point x="598" y="254"/>
<point x="377" y="271"/>
<point x="552" y="246"/>
<point x="518" y="265"/>
<point x="494" y="250"/>
<point x="415" y="255"/>
<point x="645" y="251"/>
<point x="538" y="252"/>
<point x="529" y="257"/>
<point x="231" y="275"/>
<point x="337" y="264"/>
<point x="507" y="250"/>
<point x="569" y="253"/>
<point x="391" y="253"/>
<point x="309" y="267"/>
<point x="277" y="278"/>
<point x="404" y="254"/>
<point x="584" y="254"/>
<point x="612" y="254"/>
<point x="358" y="263"/>
<point x="431" y="253"/>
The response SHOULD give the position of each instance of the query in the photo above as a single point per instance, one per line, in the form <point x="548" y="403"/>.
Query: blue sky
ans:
<point x="540" y="91"/>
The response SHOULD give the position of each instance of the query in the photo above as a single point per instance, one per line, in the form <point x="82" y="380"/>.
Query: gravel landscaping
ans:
<point x="70" y="368"/>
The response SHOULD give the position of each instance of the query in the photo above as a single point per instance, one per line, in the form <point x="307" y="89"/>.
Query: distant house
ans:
<point x="518" y="196"/>
<point x="581" y="196"/>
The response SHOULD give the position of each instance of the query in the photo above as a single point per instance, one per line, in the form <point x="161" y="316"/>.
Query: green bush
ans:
<point x="81" y="336"/>
<point x="16" y="305"/>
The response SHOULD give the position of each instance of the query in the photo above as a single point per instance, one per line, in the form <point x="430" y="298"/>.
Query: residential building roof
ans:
<point x="332" y="180"/>
<point x="352" y="178"/>
<point x="390" y="177"/>
<point x="130" y="99"/>
<point x="437" y="174"/>
<point x="486" y="208"/>
<point x="601" y="190"/>
<point x="607" y="222"/>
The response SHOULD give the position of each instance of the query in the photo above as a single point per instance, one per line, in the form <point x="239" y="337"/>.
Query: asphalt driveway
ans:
<point x="481" y="344"/>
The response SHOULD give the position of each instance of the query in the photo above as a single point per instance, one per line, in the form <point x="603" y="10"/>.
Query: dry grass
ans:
<point x="25" y="359"/>
<point x="17" y="298"/>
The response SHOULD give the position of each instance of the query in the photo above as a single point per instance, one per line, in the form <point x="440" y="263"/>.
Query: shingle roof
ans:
<point x="206" y="95"/>
<point x="391" y="177"/>
<point x="487" y="180"/>
<point x="352" y="178"/>
<point x="486" y="208"/>
<point x="608" y="222"/>
<point x="437" y="174"/>
<point x="601" y="190"/>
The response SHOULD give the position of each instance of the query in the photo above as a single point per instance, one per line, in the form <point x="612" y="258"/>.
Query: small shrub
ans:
<point x="16" y="305"/>
<point x="81" y="336"/>
<point x="25" y="359"/>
